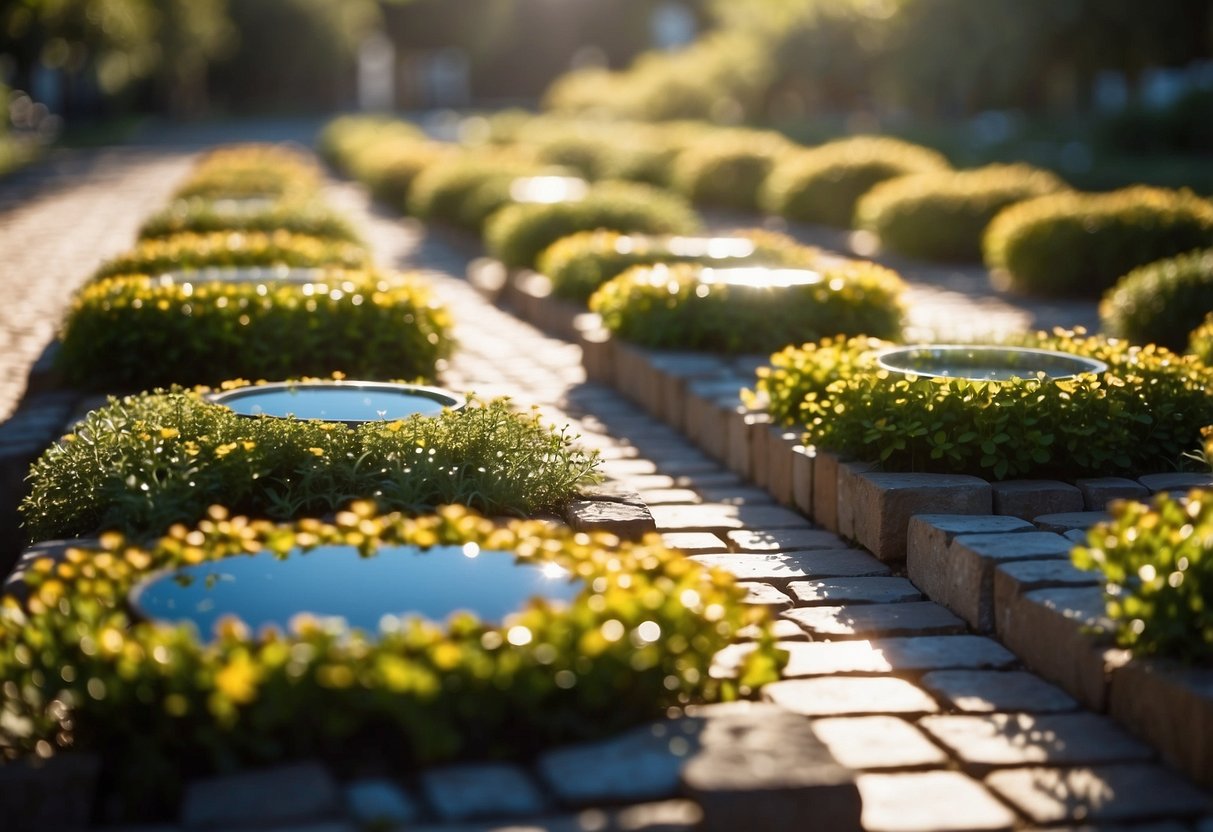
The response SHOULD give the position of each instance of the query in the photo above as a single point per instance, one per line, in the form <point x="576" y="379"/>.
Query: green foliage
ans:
<point x="823" y="184"/>
<point x="138" y="332"/>
<point x="161" y="706"/>
<point x="578" y="264"/>
<point x="253" y="170"/>
<point x="1143" y="414"/>
<point x="728" y="171"/>
<point x="1157" y="568"/>
<point x="518" y="233"/>
<point x="465" y="190"/>
<point x="942" y="215"/>
<point x="182" y="252"/>
<point x="1201" y="341"/>
<point x="1161" y="302"/>
<point x="144" y="462"/>
<point x="345" y="139"/>
<point x="200" y="216"/>
<point x="1073" y="244"/>
<point x="384" y="154"/>
<point x="668" y="307"/>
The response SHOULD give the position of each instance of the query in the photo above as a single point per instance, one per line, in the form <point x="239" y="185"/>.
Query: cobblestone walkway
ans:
<point x="945" y="729"/>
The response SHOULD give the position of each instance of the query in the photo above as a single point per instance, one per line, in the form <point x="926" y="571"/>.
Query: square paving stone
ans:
<point x="670" y="496"/>
<point x="935" y="801"/>
<point x="764" y="595"/>
<point x="1114" y="794"/>
<point x="1097" y="492"/>
<point x="481" y="790"/>
<point x="929" y="535"/>
<point x="1175" y="481"/>
<point x="866" y="620"/>
<point x="884" y="504"/>
<point x="888" y="655"/>
<point x="807" y="564"/>
<point x="1031" y="498"/>
<point x="1071" y="521"/>
<point x="718" y="517"/>
<point x="829" y="591"/>
<point x="878" y="742"/>
<point x="734" y="496"/>
<point x="996" y="740"/>
<point x="759" y="541"/>
<point x="849" y="695"/>
<point x="695" y="543"/>
<point x="984" y="691"/>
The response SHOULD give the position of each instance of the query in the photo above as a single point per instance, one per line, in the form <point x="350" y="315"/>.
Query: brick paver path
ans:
<point x="945" y="729"/>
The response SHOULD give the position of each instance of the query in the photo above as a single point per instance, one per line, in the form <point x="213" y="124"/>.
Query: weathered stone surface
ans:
<point x="1171" y="706"/>
<point x="1112" y="794"/>
<point x="764" y="595"/>
<point x="884" y="504"/>
<point x="1175" y="481"/>
<point x="781" y="452"/>
<point x="783" y="540"/>
<point x="301" y="792"/>
<point x="880" y="590"/>
<point x="1062" y="523"/>
<point x="865" y="620"/>
<point x="780" y="628"/>
<point x="1051" y="630"/>
<point x="715" y="517"/>
<point x="744" y="429"/>
<point x="1027" y="499"/>
<point x="745" y="495"/>
<point x="622" y="469"/>
<point x="695" y="543"/>
<point x="803" y="459"/>
<point x="877" y="742"/>
<point x="481" y="790"/>
<point x="982" y="742"/>
<point x="922" y="653"/>
<point x="1013" y="579"/>
<point x="827" y="696"/>
<point x="825" y="489"/>
<point x="379" y="800"/>
<point x="983" y="691"/>
<point x="935" y="801"/>
<point x="670" y="496"/>
<point x="759" y="766"/>
<point x="808" y="564"/>
<point x="48" y="794"/>
<point x="613" y="491"/>
<point x="629" y="522"/>
<point x="850" y="512"/>
<point x="1097" y="492"/>
<point x="967" y="587"/>
<point x="929" y="535"/>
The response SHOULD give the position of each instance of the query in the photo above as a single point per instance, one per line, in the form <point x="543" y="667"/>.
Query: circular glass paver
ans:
<point x="349" y="402"/>
<point x="548" y="189"/>
<point x="336" y="581"/>
<point x="981" y="363"/>
<point x="760" y="277"/>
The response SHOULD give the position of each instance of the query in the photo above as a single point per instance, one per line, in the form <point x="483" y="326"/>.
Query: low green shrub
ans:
<point x="668" y="307"/>
<point x="144" y="462"/>
<point x="160" y="706"/>
<point x="518" y="233"/>
<point x="728" y="172"/>
<point x="189" y="251"/>
<point x="252" y="170"/>
<point x="578" y="264"/>
<point x="202" y="216"/>
<point x="390" y="169"/>
<point x="138" y="332"/>
<point x="1141" y="415"/>
<point x="1200" y="343"/>
<point x="346" y="138"/>
<point x="465" y="190"/>
<point x="823" y="184"/>
<point x="1156" y="566"/>
<point x="1161" y="302"/>
<point x="1073" y="244"/>
<point x="942" y="215"/>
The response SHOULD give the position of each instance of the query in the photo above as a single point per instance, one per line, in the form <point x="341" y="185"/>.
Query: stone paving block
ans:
<point x="1112" y="794"/>
<point x="764" y="595"/>
<point x="670" y="497"/>
<point x="878" y="742"/>
<point x="985" y="691"/>
<point x="884" y="504"/>
<point x="935" y="801"/>
<point x="1171" y="706"/>
<point x="929" y="535"/>
<point x="850" y="514"/>
<point x="781" y="459"/>
<point x="695" y="543"/>
<point x="715" y="517"/>
<point x="849" y="695"/>
<point x="760" y="426"/>
<point x="1011" y="580"/>
<point x="783" y="540"/>
<point x="665" y="816"/>
<point x="1052" y="630"/>
<point x="1175" y="481"/>
<point x="746" y="495"/>
<point x="481" y="790"/>
<point x="825" y="489"/>
<point x="295" y="793"/>
<point x="1097" y="492"/>
<point x="57" y="793"/>
<point x="803" y="459"/>
<point x="597" y="353"/>
<point x="1027" y="499"/>
<point x="379" y="800"/>
<point x="759" y="766"/>
<point x="644" y="763"/>
<point x="622" y="469"/>
<point x="866" y="620"/>
<point x="743" y="426"/>
<point x="888" y="655"/>
<point x="779" y="628"/>
<point x="967" y="586"/>
<point x="629" y="522"/>
<point x="824" y="563"/>
<point x="880" y="590"/>
<point x="1062" y="523"/>
<point x="987" y="741"/>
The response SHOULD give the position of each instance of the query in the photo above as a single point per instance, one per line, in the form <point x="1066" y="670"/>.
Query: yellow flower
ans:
<point x="169" y="433"/>
<point x="238" y="679"/>
<point x="317" y="451"/>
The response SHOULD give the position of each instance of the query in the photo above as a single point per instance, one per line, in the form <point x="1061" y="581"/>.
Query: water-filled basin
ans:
<point x="548" y="189"/>
<point x="986" y="363"/>
<point x="760" y="277"/>
<point x="245" y="274"/>
<point x="349" y="402"/>
<point x="337" y="582"/>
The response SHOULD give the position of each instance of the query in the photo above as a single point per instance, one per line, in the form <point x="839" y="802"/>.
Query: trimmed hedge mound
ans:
<point x="1142" y="415"/>
<point x="670" y="307"/>
<point x="138" y="332"/>
<point x="201" y="216"/>
<point x="1161" y="302"/>
<point x="252" y="170"/>
<point x="144" y="462"/>
<point x="728" y="172"/>
<point x="518" y="233"/>
<point x="1079" y="245"/>
<point x="465" y="191"/>
<point x="823" y="184"/>
<point x="1200" y="342"/>
<point x="942" y="215"/>
<point x="345" y="138"/>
